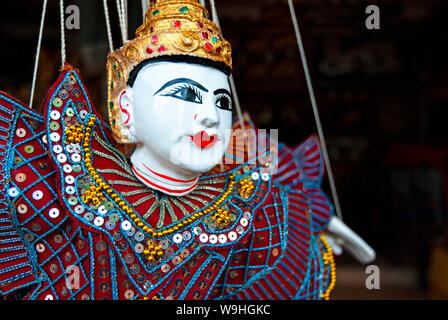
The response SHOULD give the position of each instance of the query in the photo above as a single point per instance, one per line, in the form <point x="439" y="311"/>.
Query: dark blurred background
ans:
<point x="382" y="96"/>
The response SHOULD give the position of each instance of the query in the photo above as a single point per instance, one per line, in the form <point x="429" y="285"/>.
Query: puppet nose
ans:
<point x="208" y="116"/>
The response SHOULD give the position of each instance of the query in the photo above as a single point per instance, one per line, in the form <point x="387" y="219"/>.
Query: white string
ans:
<point x="121" y="15"/>
<point x="63" y="53"/>
<point x="237" y="102"/>
<point x="124" y="10"/>
<point x="214" y="13"/>
<point x="36" y="62"/>
<point x="145" y="6"/>
<point x="315" y="110"/>
<point x="231" y="80"/>
<point x="121" y="20"/>
<point x="109" y="32"/>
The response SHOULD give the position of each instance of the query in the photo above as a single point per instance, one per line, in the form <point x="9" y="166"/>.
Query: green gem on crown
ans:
<point x="184" y="9"/>
<point x="155" y="12"/>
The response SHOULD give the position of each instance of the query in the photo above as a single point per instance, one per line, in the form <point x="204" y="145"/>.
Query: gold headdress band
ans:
<point x="172" y="28"/>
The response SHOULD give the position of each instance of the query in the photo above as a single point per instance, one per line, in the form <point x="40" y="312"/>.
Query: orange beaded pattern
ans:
<point x="154" y="252"/>
<point x="74" y="134"/>
<point x="153" y="298"/>
<point x="93" y="195"/>
<point x="246" y="188"/>
<point x="103" y="186"/>
<point x="221" y="218"/>
<point x="329" y="259"/>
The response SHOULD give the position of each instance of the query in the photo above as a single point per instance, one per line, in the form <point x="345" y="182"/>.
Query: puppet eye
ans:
<point x="186" y="93"/>
<point x="224" y="102"/>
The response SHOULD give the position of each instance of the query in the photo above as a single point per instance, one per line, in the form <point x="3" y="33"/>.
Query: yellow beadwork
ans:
<point x="103" y="186"/>
<point x="246" y="188"/>
<point x="153" y="298"/>
<point x="329" y="259"/>
<point x="74" y="134"/>
<point x="154" y="252"/>
<point x="221" y="218"/>
<point x="93" y="195"/>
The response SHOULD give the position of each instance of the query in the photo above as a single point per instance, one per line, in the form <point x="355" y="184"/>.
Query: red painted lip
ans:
<point x="203" y="140"/>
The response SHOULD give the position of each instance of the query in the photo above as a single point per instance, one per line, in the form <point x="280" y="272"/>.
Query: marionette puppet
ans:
<point x="197" y="211"/>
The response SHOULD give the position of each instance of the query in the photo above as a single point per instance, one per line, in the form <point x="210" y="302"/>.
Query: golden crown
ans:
<point x="172" y="28"/>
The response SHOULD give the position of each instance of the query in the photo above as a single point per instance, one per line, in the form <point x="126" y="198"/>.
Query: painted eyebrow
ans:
<point x="182" y="80"/>
<point x="222" y="91"/>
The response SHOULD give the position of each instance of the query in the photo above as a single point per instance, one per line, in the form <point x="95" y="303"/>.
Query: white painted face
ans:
<point x="180" y="113"/>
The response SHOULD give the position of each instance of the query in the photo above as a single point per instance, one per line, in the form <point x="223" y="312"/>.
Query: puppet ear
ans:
<point x="126" y="105"/>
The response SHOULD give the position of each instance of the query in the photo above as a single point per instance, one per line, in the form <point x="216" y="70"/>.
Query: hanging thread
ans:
<point x="109" y="32"/>
<point x="231" y="80"/>
<point x="315" y="110"/>
<point x="145" y="6"/>
<point x="36" y="62"/>
<point x="63" y="53"/>
<point x="124" y="10"/>
<point x="237" y="102"/>
<point x="214" y="13"/>
<point x="121" y="17"/>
